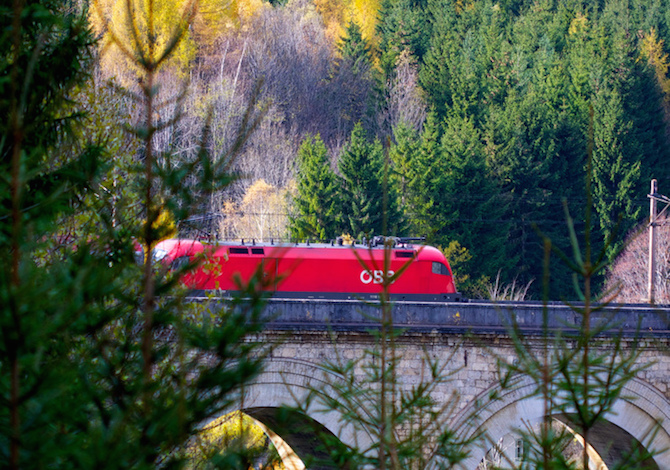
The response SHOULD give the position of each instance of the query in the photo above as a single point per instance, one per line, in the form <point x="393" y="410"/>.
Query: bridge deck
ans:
<point x="478" y="317"/>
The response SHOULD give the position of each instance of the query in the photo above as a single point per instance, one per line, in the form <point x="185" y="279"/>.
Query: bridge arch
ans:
<point x="289" y="382"/>
<point x="640" y="416"/>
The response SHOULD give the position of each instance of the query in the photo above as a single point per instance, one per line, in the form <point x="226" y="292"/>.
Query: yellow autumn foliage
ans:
<point x="164" y="227"/>
<point x="216" y="20"/>
<point x="151" y="32"/>
<point x="187" y="26"/>
<point x="653" y="53"/>
<point x="248" y="9"/>
<point x="214" y="17"/>
<point x="261" y="215"/>
<point x="579" y="25"/>
<point x="337" y="14"/>
<point x="211" y="21"/>
<point x="334" y="17"/>
<point x="365" y="14"/>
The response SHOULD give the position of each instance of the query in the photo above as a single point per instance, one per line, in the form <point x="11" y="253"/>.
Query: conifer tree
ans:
<point x="355" y="82"/>
<point x="355" y="49"/>
<point x="587" y="371"/>
<point x="368" y="200"/>
<point x="316" y="200"/>
<point x="422" y="181"/>
<point x="421" y="176"/>
<point x="46" y="54"/>
<point x="615" y="170"/>
<point x="468" y="198"/>
<point x="403" y="155"/>
<point x="86" y="377"/>
<point x="402" y="27"/>
<point x="646" y="106"/>
<point x="437" y="72"/>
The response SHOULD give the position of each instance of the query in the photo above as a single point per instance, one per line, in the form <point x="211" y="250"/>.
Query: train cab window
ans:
<point x="257" y="251"/>
<point x="237" y="250"/>
<point x="439" y="268"/>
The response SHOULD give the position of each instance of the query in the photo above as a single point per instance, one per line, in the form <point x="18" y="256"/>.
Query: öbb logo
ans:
<point x="376" y="277"/>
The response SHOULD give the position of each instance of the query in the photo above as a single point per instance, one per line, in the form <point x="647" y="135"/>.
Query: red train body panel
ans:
<point x="317" y="270"/>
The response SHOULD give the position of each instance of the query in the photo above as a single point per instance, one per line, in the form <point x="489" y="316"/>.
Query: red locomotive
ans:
<point x="316" y="270"/>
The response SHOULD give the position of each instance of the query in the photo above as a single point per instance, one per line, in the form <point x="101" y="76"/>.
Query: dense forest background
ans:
<point x="474" y="123"/>
<point x="106" y="150"/>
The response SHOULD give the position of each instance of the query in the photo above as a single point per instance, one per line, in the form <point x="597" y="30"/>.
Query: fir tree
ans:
<point x="403" y="156"/>
<point x="422" y="179"/>
<point x="86" y="376"/>
<point x="368" y="200"/>
<point x="402" y="27"/>
<point x="356" y="50"/>
<point x="355" y="81"/>
<point x="437" y="73"/>
<point x="647" y="107"/>
<point x="316" y="200"/>
<point x="46" y="55"/>
<point x="468" y="199"/>
<point x="614" y="169"/>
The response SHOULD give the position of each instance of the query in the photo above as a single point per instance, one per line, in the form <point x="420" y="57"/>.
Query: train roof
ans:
<point x="401" y="249"/>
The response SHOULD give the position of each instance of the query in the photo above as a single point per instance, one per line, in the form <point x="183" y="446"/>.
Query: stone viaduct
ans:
<point x="471" y="338"/>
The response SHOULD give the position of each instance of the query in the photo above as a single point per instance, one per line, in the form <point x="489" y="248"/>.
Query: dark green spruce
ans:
<point x="316" y="202"/>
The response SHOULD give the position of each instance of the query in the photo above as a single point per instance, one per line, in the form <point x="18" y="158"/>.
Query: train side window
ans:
<point x="179" y="263"/>
<point x="257" y="251"/>
<point x="439" y="268"/>
<point x="234" y="250"/>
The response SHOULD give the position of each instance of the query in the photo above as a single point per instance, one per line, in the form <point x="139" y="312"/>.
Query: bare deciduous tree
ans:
<point x="288" y="48"/>
<point x="629" y="273"/>
<point x="404" y="98"/>
<point x="270" y="153"/>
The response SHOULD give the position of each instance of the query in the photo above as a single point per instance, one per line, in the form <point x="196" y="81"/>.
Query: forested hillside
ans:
<point x="470" y="122"/>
